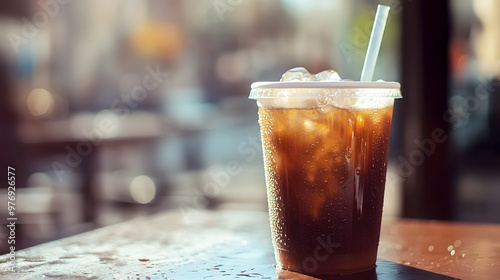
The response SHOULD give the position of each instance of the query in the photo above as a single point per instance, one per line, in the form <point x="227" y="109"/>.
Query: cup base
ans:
<point x="366" y="275"/>
<point x="335" y="264"/>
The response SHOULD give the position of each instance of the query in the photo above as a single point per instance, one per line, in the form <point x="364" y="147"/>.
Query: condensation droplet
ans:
<point x="452" y="252"/>
<point x="431" y="248"/>
<point x="457" y="243"/>
<point x="450" y="248"/>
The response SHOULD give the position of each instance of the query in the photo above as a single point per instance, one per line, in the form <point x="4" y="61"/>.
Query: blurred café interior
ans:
<point x="115" y="109"/>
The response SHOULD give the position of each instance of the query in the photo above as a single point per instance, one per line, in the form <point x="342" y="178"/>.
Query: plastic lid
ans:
<point x="327" y="84"/>
<point x="343" y="89"/>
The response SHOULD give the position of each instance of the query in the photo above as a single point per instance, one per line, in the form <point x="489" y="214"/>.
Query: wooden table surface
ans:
<point x="237" y="245"/>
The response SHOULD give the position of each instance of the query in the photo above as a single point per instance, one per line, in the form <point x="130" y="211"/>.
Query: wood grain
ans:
<point x="237" y="244"/>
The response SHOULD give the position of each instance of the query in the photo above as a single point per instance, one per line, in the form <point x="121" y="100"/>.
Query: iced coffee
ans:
<point x="325" y="144"/>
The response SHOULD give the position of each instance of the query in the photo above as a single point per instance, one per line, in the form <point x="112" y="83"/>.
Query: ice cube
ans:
<point x="327" y="75"/>
<point x="343" y="103"/>
<point x="297" y="74"/>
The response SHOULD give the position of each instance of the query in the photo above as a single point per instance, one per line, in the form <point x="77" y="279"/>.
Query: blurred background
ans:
<point x="115" y="109"/>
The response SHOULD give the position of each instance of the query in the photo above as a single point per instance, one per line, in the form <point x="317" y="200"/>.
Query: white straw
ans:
<point x="374" y="43"/>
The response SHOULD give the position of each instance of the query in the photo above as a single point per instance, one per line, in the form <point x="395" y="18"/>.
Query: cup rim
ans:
<point x="327" y="84"/>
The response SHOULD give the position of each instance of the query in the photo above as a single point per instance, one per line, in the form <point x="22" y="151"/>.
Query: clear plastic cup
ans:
<point x="325" y="146"/>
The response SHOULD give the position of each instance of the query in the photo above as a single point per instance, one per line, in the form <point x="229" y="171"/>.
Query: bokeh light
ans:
<point x="143" y="189"/>
<point x="40" y="102"/>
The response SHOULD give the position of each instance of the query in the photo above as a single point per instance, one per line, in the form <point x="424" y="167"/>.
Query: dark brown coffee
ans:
<point x="325" y="173"/>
